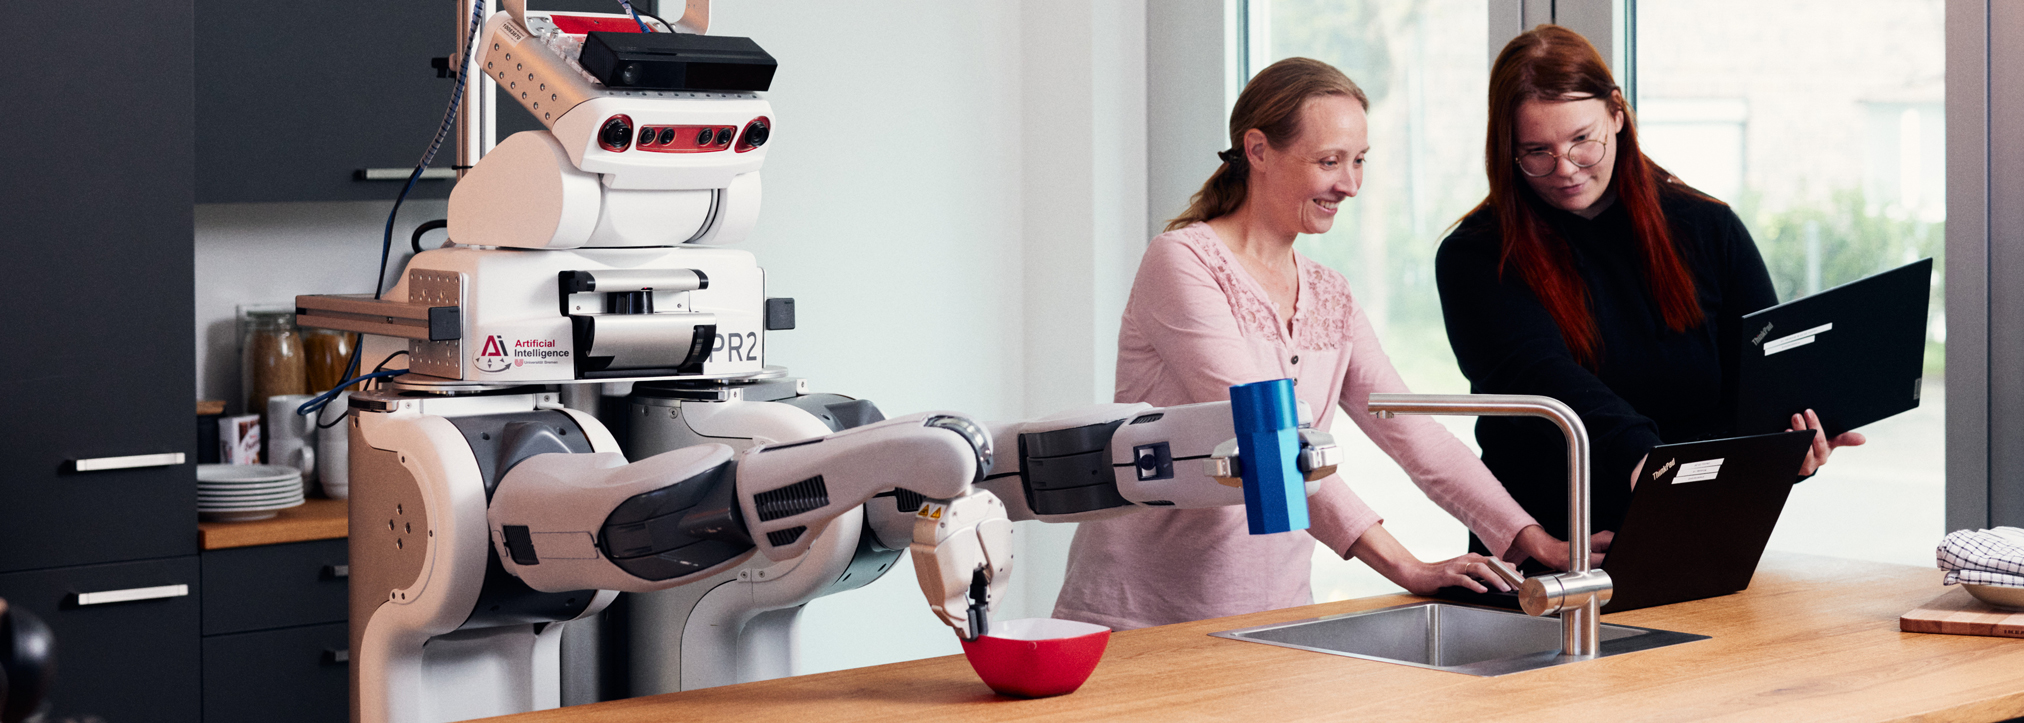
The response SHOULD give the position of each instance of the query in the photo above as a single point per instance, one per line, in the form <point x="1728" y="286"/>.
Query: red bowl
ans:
<point x="1037" y="657"/>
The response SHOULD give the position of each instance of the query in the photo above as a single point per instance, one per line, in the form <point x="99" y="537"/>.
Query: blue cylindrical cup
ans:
<point x="1267" y="421"/>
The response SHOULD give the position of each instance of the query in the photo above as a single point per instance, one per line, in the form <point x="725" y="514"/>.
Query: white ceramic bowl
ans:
<point x="2002" y="596"/>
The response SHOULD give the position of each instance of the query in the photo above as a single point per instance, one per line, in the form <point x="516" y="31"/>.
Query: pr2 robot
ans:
<point x="485" y="515"/>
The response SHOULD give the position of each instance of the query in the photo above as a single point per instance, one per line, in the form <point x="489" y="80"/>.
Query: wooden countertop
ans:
<point x="316" y="519"/>
<point x="1813" y="638"/>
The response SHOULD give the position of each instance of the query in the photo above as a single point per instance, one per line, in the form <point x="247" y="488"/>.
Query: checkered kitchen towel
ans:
<point x="1984" y="557"/>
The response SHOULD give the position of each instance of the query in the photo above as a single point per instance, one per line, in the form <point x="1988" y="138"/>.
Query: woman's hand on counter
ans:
<point x="1822" y="446"/>
<point x="1377" y="548"/>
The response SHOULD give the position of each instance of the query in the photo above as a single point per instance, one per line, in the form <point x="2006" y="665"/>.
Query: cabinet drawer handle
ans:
<point x="336" y="572"/>
<point x="132" y="594"/>
<point x="333" y="657"/>
<point x="401" y="174"/>
<point x="100" y="464"/>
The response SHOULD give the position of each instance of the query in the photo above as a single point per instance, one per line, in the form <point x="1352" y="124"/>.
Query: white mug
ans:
<point x="288" y="442"/>
<point x="333" y="444"/>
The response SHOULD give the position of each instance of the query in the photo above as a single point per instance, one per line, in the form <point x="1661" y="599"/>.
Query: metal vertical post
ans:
<point x="477" y="131"/>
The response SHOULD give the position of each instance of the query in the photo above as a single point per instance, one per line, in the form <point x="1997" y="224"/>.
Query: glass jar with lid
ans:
<point x="272" y="361"/>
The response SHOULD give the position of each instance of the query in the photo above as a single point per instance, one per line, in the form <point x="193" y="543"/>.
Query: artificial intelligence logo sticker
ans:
<point x="492" y="356"/>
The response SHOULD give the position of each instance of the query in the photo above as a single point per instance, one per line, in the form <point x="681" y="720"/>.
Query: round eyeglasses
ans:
<point x="1583" y="155"/>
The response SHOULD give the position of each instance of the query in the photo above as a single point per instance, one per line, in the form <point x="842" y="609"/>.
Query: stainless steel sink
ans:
<point x="1455" y="638"/>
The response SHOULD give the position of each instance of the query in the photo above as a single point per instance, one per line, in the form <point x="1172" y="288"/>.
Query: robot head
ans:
<point x="625" y="166"/>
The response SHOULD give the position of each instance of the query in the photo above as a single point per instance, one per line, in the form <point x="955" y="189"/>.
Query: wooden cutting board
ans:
<point x="1958" y="613"/>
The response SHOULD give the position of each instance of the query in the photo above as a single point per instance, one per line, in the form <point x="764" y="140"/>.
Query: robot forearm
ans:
<point x="592" y="521"/>
<point x="1107" y="460"/>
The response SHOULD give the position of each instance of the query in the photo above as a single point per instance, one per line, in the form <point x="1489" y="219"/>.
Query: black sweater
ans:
<point x="1651" y="386"/>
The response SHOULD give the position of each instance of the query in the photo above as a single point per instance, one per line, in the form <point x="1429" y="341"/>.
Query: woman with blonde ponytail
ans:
<point x="1222" y="299"/>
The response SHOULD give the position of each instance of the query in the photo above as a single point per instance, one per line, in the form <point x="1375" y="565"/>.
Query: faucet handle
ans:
<point x="1548" y="594"/>
<point x="1510" y="575"/>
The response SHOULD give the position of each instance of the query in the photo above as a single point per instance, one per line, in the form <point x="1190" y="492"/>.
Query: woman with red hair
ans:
<point x="1593" y="276"/>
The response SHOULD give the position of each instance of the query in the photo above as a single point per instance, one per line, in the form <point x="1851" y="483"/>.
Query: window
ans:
<point x="1822" y="125"/>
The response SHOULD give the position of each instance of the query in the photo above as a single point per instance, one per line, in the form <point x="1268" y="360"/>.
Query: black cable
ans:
<point x="350" y="368"/>
<point x="390" y="357"/>
<point x="664" y="21"/>
<point x="315" y="406"/>
<point x="435" y="144"/>
<point x="415" y="241"/>
<point x="319" y="418"/>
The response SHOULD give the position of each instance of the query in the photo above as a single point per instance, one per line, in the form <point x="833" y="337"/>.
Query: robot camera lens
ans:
<point x="630" y="75"/>
<point x="667" y="136"/>
<point x="705" y="138"/>
<point x="756" y="134"/>
<point x="615" y="134"/>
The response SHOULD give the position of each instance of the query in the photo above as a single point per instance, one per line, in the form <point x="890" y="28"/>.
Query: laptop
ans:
<point x="1697" y="523"/>
<point x="1854" y="354"/>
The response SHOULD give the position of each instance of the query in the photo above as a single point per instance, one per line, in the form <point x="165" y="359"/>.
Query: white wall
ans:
<point x="892" y="215"/>
<point x="955" y="199"/>
<point x="1192" y="54"/>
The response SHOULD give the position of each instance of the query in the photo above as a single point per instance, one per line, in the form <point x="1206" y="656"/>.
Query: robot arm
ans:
<point x="592" y="521"/>
<point x="1107" y="460"/>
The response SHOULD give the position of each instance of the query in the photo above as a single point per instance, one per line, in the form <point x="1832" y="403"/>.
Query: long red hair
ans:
<point x="1553" y="63"/>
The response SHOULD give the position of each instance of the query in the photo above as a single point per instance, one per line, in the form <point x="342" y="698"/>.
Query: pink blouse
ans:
<point x="1195" y="325"/>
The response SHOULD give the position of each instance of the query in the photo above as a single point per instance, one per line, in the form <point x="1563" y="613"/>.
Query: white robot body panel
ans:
<point x="488" y="672"/>
<point x="526" y="194"/>
<point x="628" y="218"/>
<point x="742" y="424"/>
<point x="419" y="505"/>
<point x="739" y="626"/>
<point x="1155" y="457"/>
<point x="746" y="630"/>
<point x="517" y="330"/>
<point x="561" y="503"/>
<point x="806" y="484"/>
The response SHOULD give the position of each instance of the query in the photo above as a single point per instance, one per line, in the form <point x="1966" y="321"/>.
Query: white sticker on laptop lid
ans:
<point x="1794" y="341"/>
<point x="1699" y="471"/>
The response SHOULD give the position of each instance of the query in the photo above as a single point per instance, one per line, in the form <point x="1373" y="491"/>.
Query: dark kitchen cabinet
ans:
<point x="98" y="236"/>
<point x="293" y="99"/>
<point x="126" y="637"/>
<point x="99" y="240"/>
<point x="275" y="586"/>
<point x="275" y="640"/>
<point x="292" y="674"/>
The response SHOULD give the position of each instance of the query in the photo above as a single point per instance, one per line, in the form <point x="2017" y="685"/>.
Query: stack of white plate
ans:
<point x="236" y="492"/>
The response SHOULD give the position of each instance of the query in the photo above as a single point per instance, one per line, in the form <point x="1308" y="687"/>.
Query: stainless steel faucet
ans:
<point x="1579" y="593"/>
